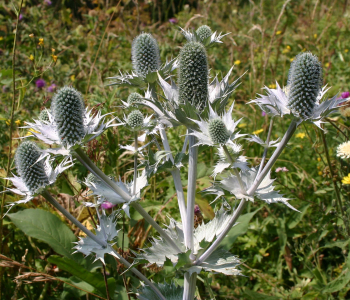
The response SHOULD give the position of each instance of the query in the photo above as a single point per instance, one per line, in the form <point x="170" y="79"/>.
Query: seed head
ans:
<point x="135" y="119"/>
<point x="44" y="116"/>
<point x="218" y="131"/>
<point x="32" y="172"/>
<point x="204" y="32"/>
<point x="68" y="110"/>
<point x="134" y="98"/>
<point x="145" y="54"/>
<point x="193" y="75"/>
<point x="304" y="84"/>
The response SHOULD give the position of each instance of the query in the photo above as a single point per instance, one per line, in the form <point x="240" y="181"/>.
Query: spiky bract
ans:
<point x="32" y="172"/>
<point x="134" y="98"/>
<point x="304" y="84"/>
<point x="218" y="131"/>
<point x="204" y="32"/>
<point x="145" y="54"/>
<point x="193" y="75"/>
<point x="44" y="115"/>
<point x="135" y="119"/>
<point x="68" y="110"/>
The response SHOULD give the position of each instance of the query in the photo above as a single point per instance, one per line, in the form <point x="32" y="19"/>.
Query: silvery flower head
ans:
<point x="145" y="54"/>
<point x="135" y="121"/>
<point x="68" y="123"/>
<point x="217" y="130"/>
<point x="193" y="75"/>
<point x="301" y="97"/>
<point x="34" y="174"/>
<point x="204" y="32"/>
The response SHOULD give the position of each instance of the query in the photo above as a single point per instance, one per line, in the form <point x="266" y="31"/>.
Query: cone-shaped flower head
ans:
<point x="145" y="54"/>
<point x="32" y="172"/>
<point x="193" y="75"/>
<point x="304" y="84"/>
<point x="135" y="119"/>
<point x="204" y="32"/>
<point x="218" y="131"/>
<point x="68" y="110"/>
<point x="134" y="98"/>
<point x="44" y="115"/>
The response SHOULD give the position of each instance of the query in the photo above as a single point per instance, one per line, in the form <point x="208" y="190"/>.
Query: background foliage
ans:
<point x="286" y="255"/>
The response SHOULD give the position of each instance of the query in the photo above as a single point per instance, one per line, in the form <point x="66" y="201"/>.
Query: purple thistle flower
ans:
<point x="20" y="17"/>
<point x="173" y="20"/>
<point x="263" y="113"/>
<point x="47" y="2"/>
<point x="107" y="205"/>
<point x="52" y="88"/>
<point x="345" y="95"/>
<point x="40" y="83"/>
<point x="197" y="210"/>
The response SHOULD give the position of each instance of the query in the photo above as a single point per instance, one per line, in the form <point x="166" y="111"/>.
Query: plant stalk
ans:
<point x="135" y="162"/>
<point x="60" y="208"/>
<point x="189" y="286"/>
<point x="266" y="148"/>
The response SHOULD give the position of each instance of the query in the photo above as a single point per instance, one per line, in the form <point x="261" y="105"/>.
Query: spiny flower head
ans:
<point x="134" y="98"/>
<point x="304" y="84"/>
<point x="218" y="131"/>
<point x="204" y="32"/>
<point x="32" y="172"/>
<point x="193" y="75"/>
<point x="44" y="115"/>
<point x="68" y="110"/>
<point x="145" y="54"/>
<point x="135" y="119"/>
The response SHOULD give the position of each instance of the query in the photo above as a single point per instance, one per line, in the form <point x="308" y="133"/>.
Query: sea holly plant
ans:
<point x="205" y="110"/>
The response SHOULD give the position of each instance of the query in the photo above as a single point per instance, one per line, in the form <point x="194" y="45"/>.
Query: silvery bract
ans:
<point x="106" y="193"/>
<point x="255" y="139"/>
<point x="135" y="121"/>
<point x="169" y="291"/>
<point x="106" y="232"/>
<point x="204" y="35"/>
<point x="301" y="97"/>
<point x="220" y="261"/>
<point x="217" y="130"/>
<point x="68" y="123"/>
<point x="34" y="175"/>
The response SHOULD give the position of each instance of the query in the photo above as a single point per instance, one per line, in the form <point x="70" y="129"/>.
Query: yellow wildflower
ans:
<point x="300" y="135"/>
<point x="53" y="50"/>
<point x="54" y="57"/>
<point x="8" y="122"/>
<point x="315" y="35"/>
<point x="346" y="179"/>
<point x="242" y="125"/>
<point x="258" y="131"/>
<point x="278" y="32"/>
<point x="237" y="62"/>
<point x="286" y="50"/>
<point x="18" y="122"/>
<point x="291" y="59"/>
<point x="41" y="42"/>
<point x="320" y="173"/>
<point x="72" y="77"/>
<point x="31" y="35"/>
<point x="346" y="50"/>
<point x="272" y="86"/>
<point x="1" y="38"/>
<point x="318" y="158"/>
<point x="327" y="65"/>
<point x="303" y="50"/>
<point x="31" y="57"/>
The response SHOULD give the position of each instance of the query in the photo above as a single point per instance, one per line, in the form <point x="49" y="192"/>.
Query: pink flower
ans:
<point x="107" y="205"/>
<point x="40" y="83"/>
<point x="263" y="113"/>
<point x="345" y="95"/>
<point x="284" y="169"/>
<point x="52" y="88"/>
<point x="173" y="20"/>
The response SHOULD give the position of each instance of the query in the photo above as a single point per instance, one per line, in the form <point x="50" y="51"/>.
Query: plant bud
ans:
<point x="204" y="32"/>
<point x="68" y="110"/>
<point x="304" y="84"/>
<point x="32" y="172"/>
<point x="145" y="54"/>
<point x="44" y="116"/>
<point x="135" y="119"/>
<point x="193" y="75"/>
<point x="218" y="131"/>
<point x="134" y="98"/>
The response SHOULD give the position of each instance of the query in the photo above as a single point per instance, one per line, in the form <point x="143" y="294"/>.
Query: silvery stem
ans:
<point x="176" y="177"/>
<point x="85" y="160"/>
<point x="184" y="147"/>
<point x="291" y="129"/>
<point x="189" y="286"/>
<point x="191" y="191"/>
<point x="60" y="208"/>
<point x="135" y="162"/>
<point x="266" y="148"/>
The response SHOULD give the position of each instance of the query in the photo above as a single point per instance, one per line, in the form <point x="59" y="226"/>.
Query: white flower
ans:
<point x="22" y="189"/>
<point x="275" y="103"/>
<point x="343" y="150"/>
<point x="217" y="130"/>
<point x="105" y="193"/>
